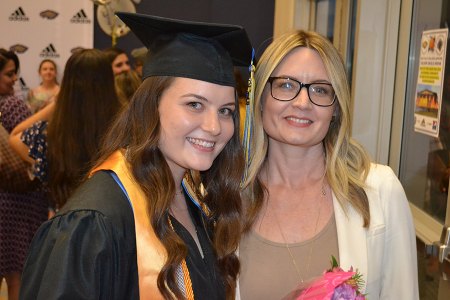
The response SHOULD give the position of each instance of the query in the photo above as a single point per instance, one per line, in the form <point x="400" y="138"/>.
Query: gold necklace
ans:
<point x="323" y="194"/>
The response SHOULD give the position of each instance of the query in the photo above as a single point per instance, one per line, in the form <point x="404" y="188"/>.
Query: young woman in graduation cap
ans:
<point x="159" y="216"/>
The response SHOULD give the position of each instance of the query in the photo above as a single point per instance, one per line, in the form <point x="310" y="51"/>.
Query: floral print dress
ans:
<point x="35" y="138"/>
<point x="20" y="213"/>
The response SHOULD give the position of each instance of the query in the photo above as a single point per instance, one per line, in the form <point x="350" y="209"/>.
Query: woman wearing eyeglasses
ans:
<point x="312" y="191"/>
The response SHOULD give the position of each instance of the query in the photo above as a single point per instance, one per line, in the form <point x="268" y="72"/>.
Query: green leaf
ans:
<point x="334" y="263"/>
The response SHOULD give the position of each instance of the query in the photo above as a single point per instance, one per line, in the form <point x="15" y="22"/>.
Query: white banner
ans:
<point x="45" y="29"/>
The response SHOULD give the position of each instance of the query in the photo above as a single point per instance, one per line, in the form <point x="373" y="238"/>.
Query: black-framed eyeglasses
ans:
<point x="286" y="89"/>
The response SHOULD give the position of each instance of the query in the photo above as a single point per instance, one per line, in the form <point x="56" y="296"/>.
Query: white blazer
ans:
<point x="385" y="253"/>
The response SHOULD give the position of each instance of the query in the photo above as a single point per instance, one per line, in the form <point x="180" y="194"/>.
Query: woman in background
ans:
<point x="312" y="191"/>
<point x="62" y="139"/>
<point x="139" y="56"/>
<point x="22" y="210"/>
<point x="47" y="90"/>
<point x="118" y="59"/>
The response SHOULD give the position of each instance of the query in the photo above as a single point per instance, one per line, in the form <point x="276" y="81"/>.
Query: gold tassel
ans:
<point x="248" y="125"/>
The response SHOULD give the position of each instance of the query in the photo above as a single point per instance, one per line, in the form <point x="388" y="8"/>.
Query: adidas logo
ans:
<point x="49" y="51"/>
<point x="18" y="15"/>
<point x="80" y="18"/>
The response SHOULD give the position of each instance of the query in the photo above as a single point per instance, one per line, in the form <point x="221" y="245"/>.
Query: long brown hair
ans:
<point x="138" y="130"/>
<point x="85" y="107"/>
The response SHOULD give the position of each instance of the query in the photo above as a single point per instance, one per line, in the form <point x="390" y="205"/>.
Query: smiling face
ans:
<point x="47" y="71"/>
<point x="297" y="122"/>
<point x="196" y="120"/>
<point x="121" y="64"/>
<point x="8" y="77"/>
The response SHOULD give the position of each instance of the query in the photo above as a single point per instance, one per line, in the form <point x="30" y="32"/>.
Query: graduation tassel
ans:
<point x="248" y="125"/>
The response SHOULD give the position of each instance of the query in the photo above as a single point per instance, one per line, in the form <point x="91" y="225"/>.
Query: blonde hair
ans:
<point x="126" y="84"/>
<point x="347" y="163"/>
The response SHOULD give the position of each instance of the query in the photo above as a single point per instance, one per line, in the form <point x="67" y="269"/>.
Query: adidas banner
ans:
<point x="45" y="29"/>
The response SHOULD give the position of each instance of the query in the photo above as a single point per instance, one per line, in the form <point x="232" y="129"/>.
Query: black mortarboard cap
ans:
<point x="203" y="51"/>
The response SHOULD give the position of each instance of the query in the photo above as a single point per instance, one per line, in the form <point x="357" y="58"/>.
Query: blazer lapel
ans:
<point x="351" y="239"/>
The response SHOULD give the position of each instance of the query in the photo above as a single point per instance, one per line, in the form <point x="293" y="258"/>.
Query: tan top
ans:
<point x="267" y="269"/>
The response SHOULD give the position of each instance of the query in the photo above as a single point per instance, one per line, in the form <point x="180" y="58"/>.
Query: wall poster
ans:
<point x="428" y="100"/>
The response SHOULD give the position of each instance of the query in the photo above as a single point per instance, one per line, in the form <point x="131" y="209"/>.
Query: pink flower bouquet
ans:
<point x="335" y="284"/>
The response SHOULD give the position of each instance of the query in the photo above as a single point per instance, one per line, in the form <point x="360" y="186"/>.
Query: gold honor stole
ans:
<point x="151" y="254"/>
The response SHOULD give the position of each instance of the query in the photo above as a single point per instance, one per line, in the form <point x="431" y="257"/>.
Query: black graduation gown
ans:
<point x="88" y="250"/>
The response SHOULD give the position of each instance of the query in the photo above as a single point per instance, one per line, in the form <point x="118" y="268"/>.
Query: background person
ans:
<point x="137" y="230"/>
<point x="24" y="208"/>
<point x="47" y="90"/>
<point x="62" y="139"/>
<point x="312" y="191"/>
<point x="139" y="55"/>
<point x="118" y="59"/>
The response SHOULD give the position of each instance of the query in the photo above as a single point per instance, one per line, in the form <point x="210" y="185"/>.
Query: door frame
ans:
<point x="427" y="228"/>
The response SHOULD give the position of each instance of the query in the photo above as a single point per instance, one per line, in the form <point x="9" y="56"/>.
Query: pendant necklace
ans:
<point x="323" y="194"/>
